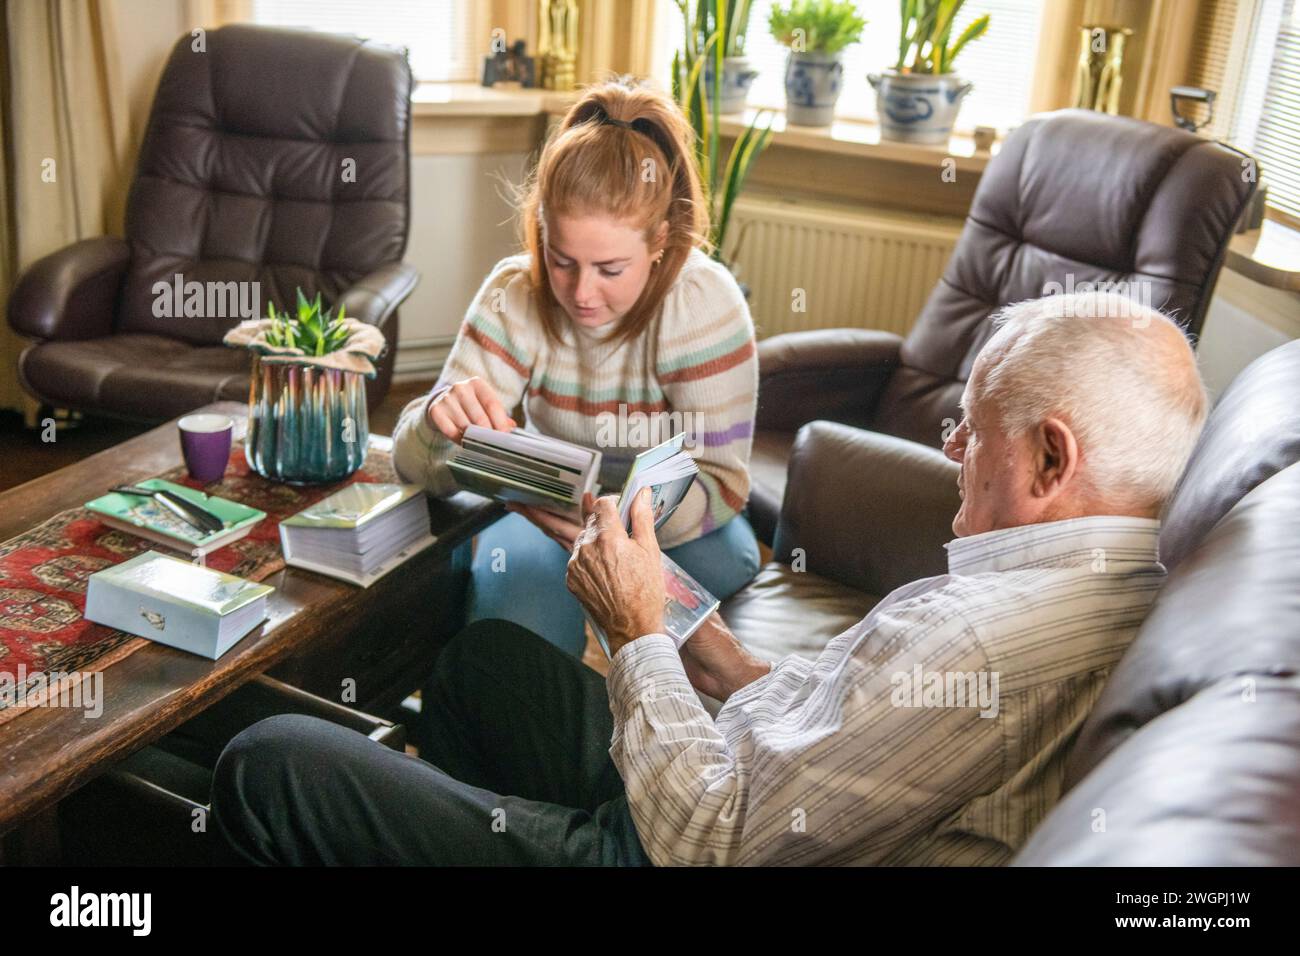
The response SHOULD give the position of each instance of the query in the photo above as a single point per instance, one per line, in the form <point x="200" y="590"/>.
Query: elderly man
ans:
<point x="1079" y="416"/>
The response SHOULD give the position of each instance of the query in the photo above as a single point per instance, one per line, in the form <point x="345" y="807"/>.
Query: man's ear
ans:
<point x="1055" y="459"/>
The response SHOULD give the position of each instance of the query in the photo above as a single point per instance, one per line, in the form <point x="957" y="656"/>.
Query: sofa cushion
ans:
<point x="867" y="510"/>
<point x="149" y="377"/>
<point x="1252" y="434"/>
<point x="1211" y="783"/>
<point x="1231" y="608"/>
<point x="783" y="611"/>
<point x="767" y="468"/>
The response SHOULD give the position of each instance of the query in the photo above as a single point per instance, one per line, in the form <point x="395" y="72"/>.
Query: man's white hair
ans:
<point x="1119" y="373"/>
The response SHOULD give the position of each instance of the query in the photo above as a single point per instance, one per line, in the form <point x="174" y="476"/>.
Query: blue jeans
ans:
<point x="518" y="575"/>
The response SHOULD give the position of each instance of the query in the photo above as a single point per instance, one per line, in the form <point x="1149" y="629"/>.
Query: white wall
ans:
<point x="461" y="225"/>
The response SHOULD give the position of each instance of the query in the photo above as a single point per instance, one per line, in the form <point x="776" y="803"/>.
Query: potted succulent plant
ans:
<point x="307" y="420"/>
<point x="816" y="31"/>
<point x="918" y="100"/>
<point x="730" y="20"/>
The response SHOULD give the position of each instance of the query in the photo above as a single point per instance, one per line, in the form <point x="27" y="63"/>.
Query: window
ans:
<point x="442" y="37"/>
<point x="1266" y="121"/>
<point x="1000" y="64"/>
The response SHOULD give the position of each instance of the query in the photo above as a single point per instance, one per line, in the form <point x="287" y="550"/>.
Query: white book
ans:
<point x="176" y="603"/>
<point x="359" y="533"/>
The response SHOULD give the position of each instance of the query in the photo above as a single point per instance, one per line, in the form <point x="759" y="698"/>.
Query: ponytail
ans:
<point x="625" y="151"/>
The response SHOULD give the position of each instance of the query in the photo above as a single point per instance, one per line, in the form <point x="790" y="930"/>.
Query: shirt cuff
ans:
<point x="648" y="667"/>
<point x="755" y="688"/>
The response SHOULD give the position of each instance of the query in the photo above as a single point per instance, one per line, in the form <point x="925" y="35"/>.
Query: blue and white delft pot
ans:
<point x="918" y="108"/>
<point x="737" y="78"/>
<point x="812" y="87"/>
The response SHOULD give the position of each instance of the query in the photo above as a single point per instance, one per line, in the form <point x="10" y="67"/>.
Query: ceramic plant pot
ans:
<point x="918" y="108"/>
<point x="307" y="424"/>
<point x="737" y="78"/>
<point x="812" y="87"/>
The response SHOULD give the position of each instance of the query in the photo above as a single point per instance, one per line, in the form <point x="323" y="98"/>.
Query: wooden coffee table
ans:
<point x="320" y="632"/>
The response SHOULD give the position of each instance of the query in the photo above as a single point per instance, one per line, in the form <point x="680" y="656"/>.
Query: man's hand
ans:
<point x="617" y="578"/>
<point x="716" y="663"/>
<point x="560" y="530"/>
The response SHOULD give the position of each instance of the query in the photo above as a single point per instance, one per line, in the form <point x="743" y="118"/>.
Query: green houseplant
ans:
<point x="816" y="31"/>
<point x="737" y="77"/>
<point x="918" y="100"/>
<point x="307" y="418"/>
<point x="723" y="179"/>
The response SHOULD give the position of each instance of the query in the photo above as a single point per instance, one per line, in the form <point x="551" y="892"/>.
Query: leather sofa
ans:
<point x="273" y="156"/>
<point x="1073" y="197"/>
<point x="1192" y="754"/>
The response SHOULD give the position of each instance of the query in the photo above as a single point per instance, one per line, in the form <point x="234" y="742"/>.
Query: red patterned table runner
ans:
<point x="46" y="646"/>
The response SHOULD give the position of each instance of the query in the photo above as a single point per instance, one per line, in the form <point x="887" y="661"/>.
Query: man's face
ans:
<point x="996" y="477"/>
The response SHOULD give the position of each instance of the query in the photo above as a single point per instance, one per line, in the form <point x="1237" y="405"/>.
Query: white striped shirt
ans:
<point x="882" y="751"/>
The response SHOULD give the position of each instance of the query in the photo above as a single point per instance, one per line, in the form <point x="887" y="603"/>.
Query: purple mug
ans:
<point x="205" y="444"/>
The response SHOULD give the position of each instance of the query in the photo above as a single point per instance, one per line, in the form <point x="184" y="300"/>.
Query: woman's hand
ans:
<point x="470" y="402"/>
<point x="560" y="530"/>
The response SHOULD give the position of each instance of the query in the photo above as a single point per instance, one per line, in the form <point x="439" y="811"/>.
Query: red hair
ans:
<point x="639" y="169"/>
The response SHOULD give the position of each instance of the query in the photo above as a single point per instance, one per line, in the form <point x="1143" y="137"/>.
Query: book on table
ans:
<point x="359" y="533"/>
<point x="668" y="471"/>
<point x="144" y="517"/>
<point x="176" y="603"/>
<point x="526" y="468"/>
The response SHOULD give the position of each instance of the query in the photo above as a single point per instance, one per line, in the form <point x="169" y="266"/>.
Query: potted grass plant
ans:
<point x="723" y="177"/>
<point x="816" y="31"/>
<point x="307" y="419"/>
<point x="919" y="99"/>
<point x="737" y="77"/>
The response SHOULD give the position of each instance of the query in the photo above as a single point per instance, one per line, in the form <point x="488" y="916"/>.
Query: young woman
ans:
<point x="612" y="319"/>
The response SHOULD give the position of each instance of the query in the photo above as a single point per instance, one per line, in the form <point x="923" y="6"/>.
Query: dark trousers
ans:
<point x="517" y="772"/>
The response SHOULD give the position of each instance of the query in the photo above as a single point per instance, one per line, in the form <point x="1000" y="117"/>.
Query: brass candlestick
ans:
<point x="557" y="46"/>
<point x="1100" y="75"/>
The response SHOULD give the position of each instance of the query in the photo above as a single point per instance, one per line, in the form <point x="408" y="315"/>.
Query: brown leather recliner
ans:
<point x="1193" y="749"/>
<point x="1072" y="197"/>
<point x="280" y="157"/>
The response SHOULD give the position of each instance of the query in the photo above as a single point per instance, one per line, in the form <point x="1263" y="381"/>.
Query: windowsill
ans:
<point x="844" y="137"/>
<point x="473" y="100"/>
<point x="862" y="138"/>
<point x="1269" y="255"/>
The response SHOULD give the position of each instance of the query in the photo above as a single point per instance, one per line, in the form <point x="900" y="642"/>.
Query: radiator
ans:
<point x="865" y="269"/>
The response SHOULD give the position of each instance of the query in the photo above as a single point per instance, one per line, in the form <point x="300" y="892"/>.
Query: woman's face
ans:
<point x="597" y="266"/>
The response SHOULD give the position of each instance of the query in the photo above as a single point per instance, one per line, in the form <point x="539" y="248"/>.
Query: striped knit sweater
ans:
<point x="695" y="369"/>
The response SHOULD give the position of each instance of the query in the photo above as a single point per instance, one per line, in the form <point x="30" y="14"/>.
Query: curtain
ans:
<point x="1158" y="56"/>
<point x="615" y="37"/>
<point x="77" y="78"/>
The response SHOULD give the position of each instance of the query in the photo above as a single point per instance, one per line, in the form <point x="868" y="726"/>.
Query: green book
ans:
<point x="147" y="519"/>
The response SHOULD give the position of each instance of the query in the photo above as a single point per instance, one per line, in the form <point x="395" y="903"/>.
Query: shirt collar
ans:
<point x="1110" y="538"/>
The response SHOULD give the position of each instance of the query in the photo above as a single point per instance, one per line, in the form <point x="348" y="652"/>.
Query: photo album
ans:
<point x="668" y="471"/>
<point x="526" y="468"/>
<point x="359" y="533"/>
